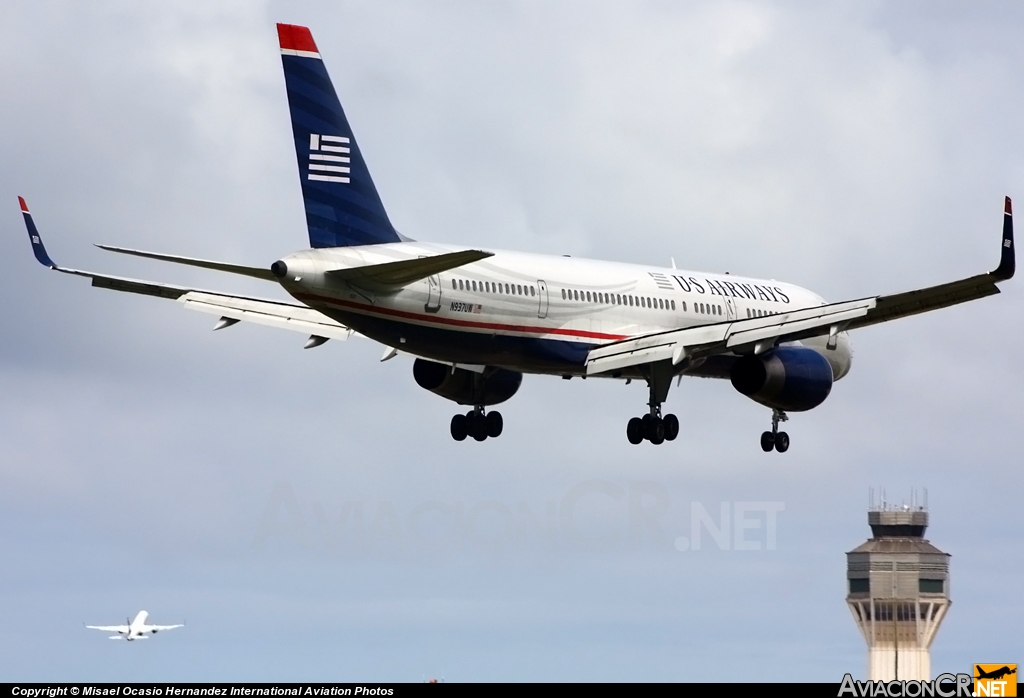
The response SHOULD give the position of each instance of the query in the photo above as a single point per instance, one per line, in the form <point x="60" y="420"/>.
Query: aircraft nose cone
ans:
<point x="279" y="269"/>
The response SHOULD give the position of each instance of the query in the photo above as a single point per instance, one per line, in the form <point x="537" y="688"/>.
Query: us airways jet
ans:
<point x="477" y="320"/>
<point x="136" y="629"/>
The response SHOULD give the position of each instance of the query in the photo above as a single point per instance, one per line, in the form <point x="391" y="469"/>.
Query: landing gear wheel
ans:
<point x="656" y="431"/>
<point x="477" y="426"/>
<point x="635" y="431"/>
<point x="768" y="441"/>
<point x="671" y="427"/>
<point x="781" y="442"/>
<point x="494" y="424"/>
<point x="459" y="431"/>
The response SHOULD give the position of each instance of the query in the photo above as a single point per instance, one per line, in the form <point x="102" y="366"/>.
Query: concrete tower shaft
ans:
<point x="898" y="592"/>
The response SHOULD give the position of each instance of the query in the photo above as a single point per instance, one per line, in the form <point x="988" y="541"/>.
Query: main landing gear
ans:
<point x="652" y="426"/>
<point x="477" y="424"/>
<point x="779" y="440"/>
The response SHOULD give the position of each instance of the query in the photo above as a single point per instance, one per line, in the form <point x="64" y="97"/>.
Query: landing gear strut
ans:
<point x="779" y="440"/>
<point x="653" y="426"/>
<point x="477" y="424"/>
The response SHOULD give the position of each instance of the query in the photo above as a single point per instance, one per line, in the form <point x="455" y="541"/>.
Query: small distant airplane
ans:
<point x="995" y="674"/>
<point x="135" y="629"/>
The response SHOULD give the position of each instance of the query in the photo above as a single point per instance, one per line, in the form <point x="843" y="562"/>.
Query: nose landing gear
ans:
<point x="779" y="440"/>
<point x="477" y="424"/>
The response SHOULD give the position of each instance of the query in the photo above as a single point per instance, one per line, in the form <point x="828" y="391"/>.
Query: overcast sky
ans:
<point x="307" y="513"/>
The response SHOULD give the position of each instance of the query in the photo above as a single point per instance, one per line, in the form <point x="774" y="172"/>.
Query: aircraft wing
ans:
<point x="762" y="333"/>
<point x="109" y="628"/>
<point x="289" y="316"/>
<point x="156" y="628"/>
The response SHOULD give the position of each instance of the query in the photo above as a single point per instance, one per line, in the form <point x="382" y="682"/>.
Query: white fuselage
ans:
<point x="534" y="313"/>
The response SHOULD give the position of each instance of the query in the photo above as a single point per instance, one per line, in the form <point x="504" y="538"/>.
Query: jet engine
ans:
<point x="465" y="387"/>
<point x="786" y="378"/>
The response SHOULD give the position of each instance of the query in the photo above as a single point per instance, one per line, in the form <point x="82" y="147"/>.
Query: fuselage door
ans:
<point x="433" y="294"/>
<point x="730" y="309"/>
<point x="542" y="291"/>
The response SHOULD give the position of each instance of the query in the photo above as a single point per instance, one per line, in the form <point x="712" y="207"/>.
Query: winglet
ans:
<point x="33" y="237"/>
<point x="1007" y="261"/>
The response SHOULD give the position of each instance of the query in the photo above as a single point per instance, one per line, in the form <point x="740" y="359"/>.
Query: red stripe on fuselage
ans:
<point x="433" y="319"/>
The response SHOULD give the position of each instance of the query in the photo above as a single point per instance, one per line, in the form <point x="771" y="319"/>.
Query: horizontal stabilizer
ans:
<point x="255" y="272"/>
<point x="395" y="275"/>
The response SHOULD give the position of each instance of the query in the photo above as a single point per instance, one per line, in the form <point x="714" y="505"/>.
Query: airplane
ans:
<point x="134" y="630"/>
<point x="996" y="673"/>
<point x="477" y="320"/>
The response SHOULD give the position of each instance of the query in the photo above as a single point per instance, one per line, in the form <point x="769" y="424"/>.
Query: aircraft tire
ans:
<point x="671" y="427"/>
<point x="494" y="424"/>
<point x="477" y="426"/>
<point x="656" y="435"/>
<point x="782" y="442"/>
<point x="458" y="428"/>
<point x="767" y="441"/>
<point x="635" y="431"/>
<point x="654" y="429"/>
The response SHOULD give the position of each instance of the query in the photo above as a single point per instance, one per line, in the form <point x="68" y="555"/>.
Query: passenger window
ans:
<point x="533" y="291"/>
<point x="630" y="300"/>
<point x="588" y="296"/>
<point x="454" y="285"/>
<point x="563" y="294"/>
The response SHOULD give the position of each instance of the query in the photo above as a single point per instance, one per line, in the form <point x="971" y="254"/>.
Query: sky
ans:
<point x="306" y="512"/>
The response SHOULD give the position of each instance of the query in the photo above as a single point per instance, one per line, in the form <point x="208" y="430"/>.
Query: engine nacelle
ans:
<point x="467" y="387"/>
<point x="786" y="378"/>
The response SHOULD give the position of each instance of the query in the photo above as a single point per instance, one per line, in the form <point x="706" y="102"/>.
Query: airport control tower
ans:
<point x="898" y="587"/>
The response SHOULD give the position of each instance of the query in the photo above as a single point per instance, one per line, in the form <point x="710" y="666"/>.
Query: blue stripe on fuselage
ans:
<point x="527" y="354"/>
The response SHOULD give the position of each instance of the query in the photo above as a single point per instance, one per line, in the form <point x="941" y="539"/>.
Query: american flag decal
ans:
<point x="328" y="158"/>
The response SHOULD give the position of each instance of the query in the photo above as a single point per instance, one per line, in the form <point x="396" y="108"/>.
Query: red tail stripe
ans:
<point x="24" y="206"/>
<point x="296" y="38"/>
<point x="1008" y="209"/>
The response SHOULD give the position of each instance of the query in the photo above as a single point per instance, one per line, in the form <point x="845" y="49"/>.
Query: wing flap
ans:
<point x="724" y="336"/>
<point x="394" y="275"/>
<point x="281" y="315"/>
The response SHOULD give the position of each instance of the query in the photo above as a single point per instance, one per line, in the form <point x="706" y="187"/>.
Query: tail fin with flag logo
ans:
<point x="342" y="204"/>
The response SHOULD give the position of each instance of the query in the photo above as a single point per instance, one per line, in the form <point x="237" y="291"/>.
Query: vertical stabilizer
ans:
<point x="342" y="204"/>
